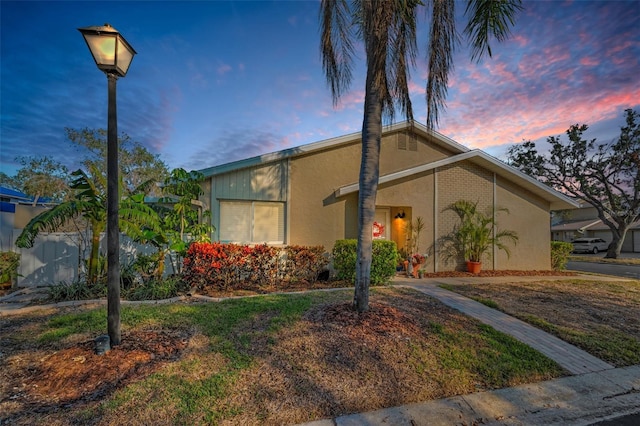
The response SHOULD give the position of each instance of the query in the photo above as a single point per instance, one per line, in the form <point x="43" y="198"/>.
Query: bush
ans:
<point x="226" y="265"/>
<point x="77" y="290"/>
<point x="156" y="289"/>
<point x="304" y="263"/>
<point x="9" y="262"/>
<point x="560" y="252"/>
<point x="220" y="265"/>
<point x="384" y="258"/>
<point x="262" y="264"/>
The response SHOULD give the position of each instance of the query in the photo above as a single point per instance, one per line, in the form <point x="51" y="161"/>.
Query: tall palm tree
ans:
<point x="387" y="28"/>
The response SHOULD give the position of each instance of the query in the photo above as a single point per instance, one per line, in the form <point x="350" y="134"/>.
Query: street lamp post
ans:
<point x="113" y="55"/>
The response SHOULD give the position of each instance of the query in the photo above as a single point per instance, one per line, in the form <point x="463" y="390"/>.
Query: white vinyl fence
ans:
<point x="58" y="257"/>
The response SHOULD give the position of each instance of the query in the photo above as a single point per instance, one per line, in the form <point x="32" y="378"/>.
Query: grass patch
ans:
<point x="487" y="302"/>
<point x="600" y="317"/>
<point x="280" y="359"/>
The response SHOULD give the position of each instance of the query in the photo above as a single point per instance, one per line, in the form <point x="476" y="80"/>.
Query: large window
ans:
<point x="252" y="222"/>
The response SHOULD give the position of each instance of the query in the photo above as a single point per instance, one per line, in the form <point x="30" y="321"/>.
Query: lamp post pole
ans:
<point x="113" y="55"/>
<point x="113" y="231"/>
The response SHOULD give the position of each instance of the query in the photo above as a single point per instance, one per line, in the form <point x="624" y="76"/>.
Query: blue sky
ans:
<point x="214" y="82"/>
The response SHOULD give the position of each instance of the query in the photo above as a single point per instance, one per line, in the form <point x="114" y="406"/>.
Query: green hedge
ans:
<point x="383" y="260"/>
<point x="560" y="254"/>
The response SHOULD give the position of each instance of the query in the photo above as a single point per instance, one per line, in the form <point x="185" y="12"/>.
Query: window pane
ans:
<point x="235" y="221"/>
<point x="268" y="223"/>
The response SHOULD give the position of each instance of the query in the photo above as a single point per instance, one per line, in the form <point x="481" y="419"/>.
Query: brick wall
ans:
<point x="462" y="181"/>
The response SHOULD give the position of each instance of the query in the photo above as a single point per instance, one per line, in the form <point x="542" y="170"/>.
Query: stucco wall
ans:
<point x="529" y="217"/>
<point x="317" y="217"/>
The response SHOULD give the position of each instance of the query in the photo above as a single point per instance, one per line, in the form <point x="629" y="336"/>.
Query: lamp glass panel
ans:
<point x="103" y="48"/>
<point x="125" y="56"/>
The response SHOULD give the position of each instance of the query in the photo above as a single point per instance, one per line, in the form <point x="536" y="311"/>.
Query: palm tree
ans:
<point x="476" y="233"/>
<point x="388" y="30"/>
<point x="89" y="202"/>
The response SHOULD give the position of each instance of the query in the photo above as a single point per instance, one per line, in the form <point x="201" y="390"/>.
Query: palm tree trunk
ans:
<point x="369" y="172"/>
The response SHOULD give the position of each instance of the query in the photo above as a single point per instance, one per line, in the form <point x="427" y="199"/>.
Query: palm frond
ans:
<point x="489" y="18"/>
<point x="336" y="45"/>
<point x="403" y="51"/>
<point x="442" y="43"/>
<point x="48" y="221"/>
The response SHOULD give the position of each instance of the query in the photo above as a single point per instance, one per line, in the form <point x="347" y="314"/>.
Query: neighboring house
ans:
<point x="567" y="225"/>
<point x="309" y="195"/>
<point x="16" y="210"/>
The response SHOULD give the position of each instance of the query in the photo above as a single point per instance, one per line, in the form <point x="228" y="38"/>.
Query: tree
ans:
<point x="476" y="234"/>
<point x="42" y="177"/>
<point x="90" y="203"/>
<point x="137" y="164"/>
<point x="182" y="223"/>
<point x="8" y="181"/>
<point x="387" y="29"/>
<point x="606" y="175"/>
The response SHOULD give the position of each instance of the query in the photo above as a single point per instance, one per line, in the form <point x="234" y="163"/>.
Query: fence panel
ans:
<point x="57" y="257"/>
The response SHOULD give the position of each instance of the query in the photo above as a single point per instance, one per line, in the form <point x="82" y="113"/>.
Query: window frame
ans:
<point x="253" y="204"/>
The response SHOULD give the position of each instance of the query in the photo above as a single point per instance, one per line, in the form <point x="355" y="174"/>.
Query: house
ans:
<point x="16" y="210"/>
<point x="567" y="225"/>
<point x="308" y="195"/>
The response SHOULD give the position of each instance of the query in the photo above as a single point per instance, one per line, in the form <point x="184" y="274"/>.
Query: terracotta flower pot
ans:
<point x="416" y="267"/>
<point x="474" y="267"/>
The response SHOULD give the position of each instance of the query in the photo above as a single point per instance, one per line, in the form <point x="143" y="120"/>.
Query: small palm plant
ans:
<point x="476" y="233"/>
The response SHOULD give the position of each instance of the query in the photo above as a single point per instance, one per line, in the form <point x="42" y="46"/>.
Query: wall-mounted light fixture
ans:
<point x="400" y="215"/>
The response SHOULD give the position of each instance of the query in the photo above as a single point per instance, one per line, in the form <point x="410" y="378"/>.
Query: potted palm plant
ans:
<point x="475" y="235"/>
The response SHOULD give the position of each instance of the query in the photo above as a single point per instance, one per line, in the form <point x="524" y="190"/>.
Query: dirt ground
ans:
<point x="43" y="382"/>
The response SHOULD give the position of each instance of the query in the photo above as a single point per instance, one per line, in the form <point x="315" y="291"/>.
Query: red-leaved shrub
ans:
<point x="226" y="265"/>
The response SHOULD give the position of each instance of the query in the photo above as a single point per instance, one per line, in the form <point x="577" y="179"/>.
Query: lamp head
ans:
<point x="111" y="52"/>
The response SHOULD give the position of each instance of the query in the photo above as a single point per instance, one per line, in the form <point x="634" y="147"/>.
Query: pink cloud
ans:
<point x="589" y="62"/>
<point x="510" y="122"/>
<point x="351" y="100"/>
<point x="223" y="69"/>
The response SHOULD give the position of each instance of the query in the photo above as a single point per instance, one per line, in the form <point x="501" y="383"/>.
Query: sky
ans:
<point x="218" y="81"/>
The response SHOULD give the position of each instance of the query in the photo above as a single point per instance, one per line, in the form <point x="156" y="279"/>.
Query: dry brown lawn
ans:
<point x="245" y="363"/>
<point x="602" y="318"/>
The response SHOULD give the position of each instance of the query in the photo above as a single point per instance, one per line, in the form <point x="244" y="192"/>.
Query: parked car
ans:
<point x="589" y="245"/>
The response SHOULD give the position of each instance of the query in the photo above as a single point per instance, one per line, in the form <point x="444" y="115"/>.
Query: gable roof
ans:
<point x="557" y="200"/>
<point x="420" y="129"/>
